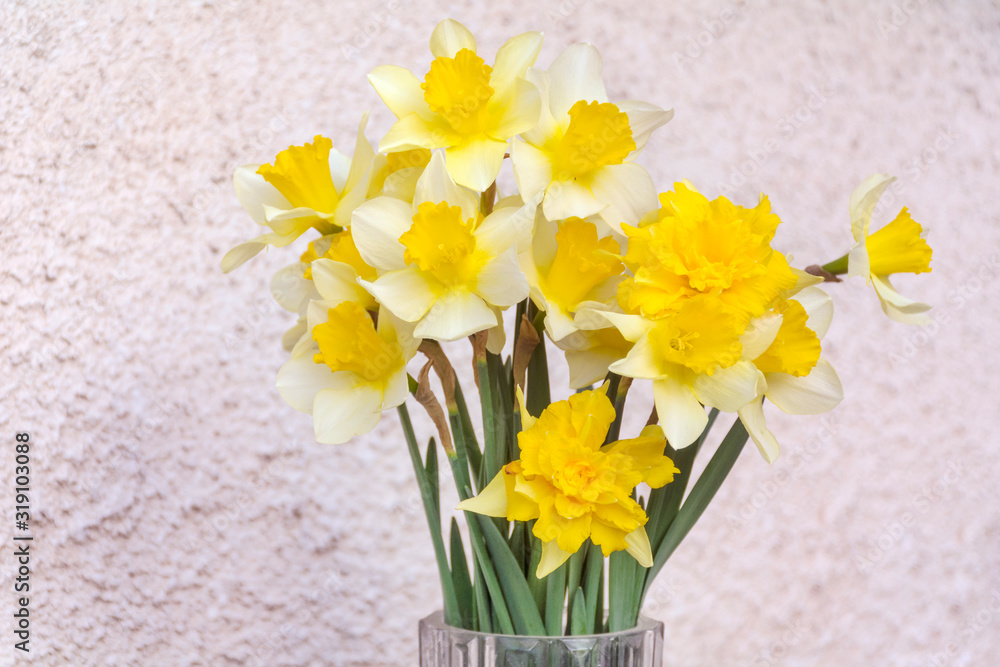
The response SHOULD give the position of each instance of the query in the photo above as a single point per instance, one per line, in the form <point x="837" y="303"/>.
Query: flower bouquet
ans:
<point x="568" y="519"/>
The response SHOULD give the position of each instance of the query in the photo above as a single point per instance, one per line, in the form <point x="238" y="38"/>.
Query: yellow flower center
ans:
<point x="899" y="248"/>
<point x="348" y="341"/>
<point x="582" y="262"/>
<point x="598" y="135"/>
<point x="442" y="244"/>
<point x="302" y="175"/>
<point x="458" y="88"/>
<point x="702" y="336"/>
<point x="696" y="247"/>
<point x="796" y="348"/>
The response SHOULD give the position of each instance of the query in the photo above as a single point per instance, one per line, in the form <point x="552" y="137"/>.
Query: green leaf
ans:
<point x="433" y="519"/>
<point x="482" y="616"/>
<point x="460" y="575"/>
<point x="525" y="615"/>
<point x="665" y="501"/>
<point x="578" y="616"/>
<point x="701" y="495"/>
<point x="472" y="450"/>
<point x="574" y="573"/>
<point x="593" y="587"/>
<point x="431" y="466"/>
<point x="538" y="397"/>
<point x="555" y="600"/>
<point x="623" y="604"/>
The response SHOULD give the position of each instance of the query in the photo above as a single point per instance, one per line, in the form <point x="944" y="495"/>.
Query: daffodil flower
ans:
<point x="694" y="358"/>
<point x="442" y="266"/>
<point x="463" y="105"/>
<point x="313" y="186"/>
<point x="784" y="345"/>
<point x="692" y="247"/>
<point x="580" y="153"/>
<point x="346" y="370"/>
<point x="569" y="263"/>
<point x="899" y="247"/>
<point x="573" y="485"/>
<point x="589" y="353"/>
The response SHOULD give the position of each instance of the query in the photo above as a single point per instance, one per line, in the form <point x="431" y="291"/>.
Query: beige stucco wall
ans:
<point x="184" y="515"/>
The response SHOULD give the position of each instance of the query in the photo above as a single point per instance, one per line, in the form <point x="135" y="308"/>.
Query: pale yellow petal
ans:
<point x="752" y="416"/>
<point x="450" y="37"/>
<point x="491" y="501"/>
<point x="813" y="394"/>
<point x="638" y="546"/>
<point x="552" y="557"/>
<point x="682" y="417"/>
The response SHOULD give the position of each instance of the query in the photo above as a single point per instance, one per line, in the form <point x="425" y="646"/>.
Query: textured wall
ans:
<point x="183" y="513"/>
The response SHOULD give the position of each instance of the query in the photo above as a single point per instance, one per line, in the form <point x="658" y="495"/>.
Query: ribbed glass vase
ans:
<point x="444" y="646"/>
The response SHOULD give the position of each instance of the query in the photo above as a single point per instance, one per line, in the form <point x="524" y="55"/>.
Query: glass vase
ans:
<point x="442" y="645"/>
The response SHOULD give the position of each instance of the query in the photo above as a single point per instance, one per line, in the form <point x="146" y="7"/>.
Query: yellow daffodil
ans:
<point x="573" y="485"/>
<point x="693" y="247"/>
<point x="784" y="344"/>
<point x="463" y="104"/>
<point x="693" y="357"/>
<point x="442" y="266"/>
<point x="589" y="354"/>
<point x="899" y="247"/>
<point x="569" y="264"/>
<point x="346" y="369"/>
<point x="308" y="187"/>
<point x="396" y="174"/>
<point x="580" y="153"/>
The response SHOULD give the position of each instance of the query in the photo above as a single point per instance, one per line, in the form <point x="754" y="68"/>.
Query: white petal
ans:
<point x="681" y="416"/>
<point x="513" y="60"/>
<point x="863" y="201"/>
<point x="456" y="315"/>
<point x="476" y="163"/>
<point x="638" y="546"/>
<point x="858" y="263"/>
<point x="627" y="190"/>
<point x="640" y="363"/>
<point x="575" y="75"/>
<point x="729" y="389"/>
<point x="532" y="168"/>
<point x="814" y="394"/>
<point x="565" y="199"/>
<point x="450" y="37"/>
<point x="253" y="193"/>
<point x="376" y="227"/>
<point x="413" y="131"/>
<point x="436" y="185"/>
<point x="291" y="337"/>
<point x="340" y="168"/>
<point x="397" y="389"/>
<point x="496" y="337"/>
<point x="518" y="112"/>
<point x="552" y="557"/>
<point x="897" y="306"/>
<point x="407" y="293"/>
<point x="362" y="158"/>
<point x="291" y="290"/>
<point x="643" y="119"/>
<point x="300" y="379"/>
<point x="558" y="324"/>
<point x="508" y="227"/>
<point x="760" y="334"/>
<point x="246" y="250"/>
<point x="500" y="282"/>
<point x="752" y="416"/>
<point x="340" y="414"/>
<point x="592" y="316"/>
<point x="547" y="128"/>
<point x="587" y="367"/>
<point x="337" y="282"/>
<point x="819" y="307"/>
<point x="400" y="89"/>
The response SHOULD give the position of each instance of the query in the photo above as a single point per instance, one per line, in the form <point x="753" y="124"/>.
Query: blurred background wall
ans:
<point x="184" y="514"/>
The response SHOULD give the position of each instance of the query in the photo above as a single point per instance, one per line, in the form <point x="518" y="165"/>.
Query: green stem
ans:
<point x="837" y="267"/>
<point x="451" y="614"/>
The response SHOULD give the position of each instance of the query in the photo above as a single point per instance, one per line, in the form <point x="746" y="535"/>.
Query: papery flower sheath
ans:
<point x="899" y="247"/>
<point x="463" y="105"/>
<point x="573" y="485"/>
<point x="313" y="186"/>
<point x="580" y="153"/>
<point x="442" y="265"/>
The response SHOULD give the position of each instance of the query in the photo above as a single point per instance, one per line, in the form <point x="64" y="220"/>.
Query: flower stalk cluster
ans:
<point x="411" y="248"/>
